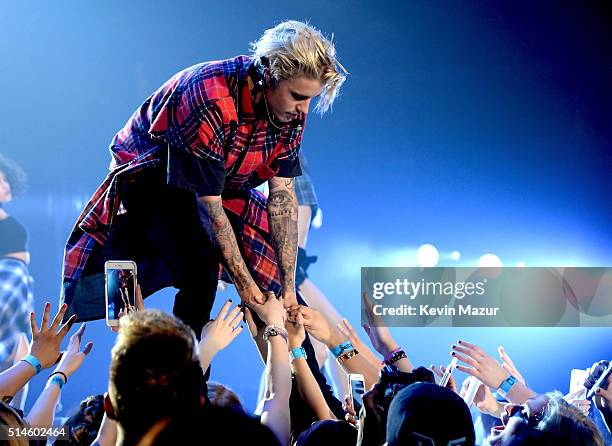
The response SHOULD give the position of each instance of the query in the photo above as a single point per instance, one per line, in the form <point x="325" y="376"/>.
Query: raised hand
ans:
<point x="315" y="324"/>
<point x="73" y="357"/>
<point x="482" y="365"/>
<point x="349" y="332"/>
<point x="508" y="364"/>
<point x="46" y="340"/>
<point x="271" y="311"/>
<point x="221" y="331"/>
<point x="296" y="331"/>
<point x="379" y="335"/>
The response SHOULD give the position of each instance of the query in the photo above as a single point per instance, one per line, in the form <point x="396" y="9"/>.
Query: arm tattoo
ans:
<point x="228" y="246"/>
<point x="282" y="213"/>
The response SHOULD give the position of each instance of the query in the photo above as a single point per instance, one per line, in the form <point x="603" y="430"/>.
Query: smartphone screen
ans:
<point x="121" y="291"/>
<point x="357" y="391"/>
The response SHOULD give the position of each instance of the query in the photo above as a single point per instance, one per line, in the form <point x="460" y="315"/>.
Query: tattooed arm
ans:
<point x="230" y="252"/>
<point x="282" y="221"/>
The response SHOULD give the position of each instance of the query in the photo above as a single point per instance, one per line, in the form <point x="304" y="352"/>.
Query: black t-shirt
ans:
<point x="13" y="236"/>
<point x="207" y="177"/>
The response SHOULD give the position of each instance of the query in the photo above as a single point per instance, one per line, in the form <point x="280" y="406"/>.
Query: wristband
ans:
<point x="34" y="362"/>
<point x="57" y="379"/>
<point x="339" y="349"/>
<point x="395" y="356"/>
<point x="60" y="373"/>
<point x="297" y="353"/>
<point x="506" y="385"/>
<point x="347" y="355"/>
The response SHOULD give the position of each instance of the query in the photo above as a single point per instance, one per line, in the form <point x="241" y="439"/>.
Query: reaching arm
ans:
<point x="283" y="225"/>
<point x="306" y="383"/>
<point x="275" y="413"/>
<point x="488" y="371"/>
<point x="317" y="326"/>
<point x="43" y="411"/>
<point x="44" y="348"/>
<point x="219" y="333"/>
<point x="13" y="379"/>
<point x="356" y="364"/>
<point x="230" y="252"/>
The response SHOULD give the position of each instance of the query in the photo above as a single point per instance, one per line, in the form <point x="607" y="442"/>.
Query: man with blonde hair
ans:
<point x="180" y="200"/>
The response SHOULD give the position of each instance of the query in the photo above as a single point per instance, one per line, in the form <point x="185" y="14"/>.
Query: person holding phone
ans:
<point x="180" y="200"/>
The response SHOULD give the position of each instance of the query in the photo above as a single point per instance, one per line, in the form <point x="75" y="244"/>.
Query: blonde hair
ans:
<point x="294" y="48"/>
<point x="221" y="395"/>
<point x="154" y="371"/>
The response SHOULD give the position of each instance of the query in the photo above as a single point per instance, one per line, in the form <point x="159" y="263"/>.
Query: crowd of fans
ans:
<point x="158" y="391"/>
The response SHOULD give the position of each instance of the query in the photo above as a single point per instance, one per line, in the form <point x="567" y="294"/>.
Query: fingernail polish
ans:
<point x="230" y="300"/>
<point x="453" y="353"/>
<point x="459" y="342"/>
<point x="453" y="346"/>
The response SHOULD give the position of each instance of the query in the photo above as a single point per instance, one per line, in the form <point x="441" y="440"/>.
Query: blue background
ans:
<point x="474" y="126"/>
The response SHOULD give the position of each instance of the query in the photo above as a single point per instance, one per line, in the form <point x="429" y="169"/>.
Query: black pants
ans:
<point x="161" y="230"/>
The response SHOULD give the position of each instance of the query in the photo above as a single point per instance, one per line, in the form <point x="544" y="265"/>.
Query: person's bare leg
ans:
<point x="320" y="352"/>
<point x="316" y="299"/>
<point x="304" y="216"/>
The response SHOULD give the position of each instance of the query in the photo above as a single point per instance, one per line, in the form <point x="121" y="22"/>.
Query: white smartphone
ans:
<point x="577" y="378"/>
<point x="357" y="389"/>
<point x="470" y="392"/>
<point x="450" y="368"/>
<point x="120" y="289"/>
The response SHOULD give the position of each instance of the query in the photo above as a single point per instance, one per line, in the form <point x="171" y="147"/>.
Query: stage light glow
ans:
<point x="455" y="255"/>
<point x="489" y="261"/>
<point x="427" y="255"/>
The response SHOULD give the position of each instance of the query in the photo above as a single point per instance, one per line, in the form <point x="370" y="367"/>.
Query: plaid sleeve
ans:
<point x="16" y="304"/>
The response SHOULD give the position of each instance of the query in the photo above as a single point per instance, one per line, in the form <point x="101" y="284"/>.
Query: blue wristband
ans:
<point x="34" y="362"/>
<point x="338" y="350"/>
<point x="57" y="379"/>
<point x="506" y="385"/>
<point x="298" y="353"/>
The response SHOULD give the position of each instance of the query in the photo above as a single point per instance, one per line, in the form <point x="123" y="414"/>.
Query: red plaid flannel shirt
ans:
<point x="195" y="111"/>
